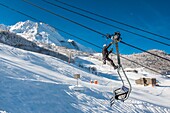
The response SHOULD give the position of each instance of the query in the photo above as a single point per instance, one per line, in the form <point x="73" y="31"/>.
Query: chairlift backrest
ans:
<point x="125" y="89"/>
<point x="121" y="93"/>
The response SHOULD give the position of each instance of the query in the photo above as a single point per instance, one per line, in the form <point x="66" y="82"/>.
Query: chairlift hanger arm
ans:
<point x="120" y="93"/>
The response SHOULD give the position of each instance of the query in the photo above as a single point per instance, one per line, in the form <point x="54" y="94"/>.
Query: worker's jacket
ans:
<point x="105" y="51"/>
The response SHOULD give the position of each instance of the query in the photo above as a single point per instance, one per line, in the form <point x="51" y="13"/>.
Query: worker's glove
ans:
<point x="108" y="36"/>
<point x="112" y="42"/>
<point x="111" y="50"/>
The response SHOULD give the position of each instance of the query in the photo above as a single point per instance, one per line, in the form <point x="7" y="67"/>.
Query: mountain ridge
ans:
<point x="43" y="33"/>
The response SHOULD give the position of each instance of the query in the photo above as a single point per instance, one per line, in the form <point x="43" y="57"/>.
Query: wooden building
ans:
<point x="146" y="81"/>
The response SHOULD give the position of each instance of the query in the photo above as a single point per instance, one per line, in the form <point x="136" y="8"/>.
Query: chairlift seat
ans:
<point x="121" y="93"/>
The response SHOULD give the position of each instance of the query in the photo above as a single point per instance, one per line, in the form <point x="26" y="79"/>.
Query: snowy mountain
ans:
<point x="43" y="33"/>
<point x="149" y="60"/>
<point x="3" y="27"/>
<point x="35" y="83"/>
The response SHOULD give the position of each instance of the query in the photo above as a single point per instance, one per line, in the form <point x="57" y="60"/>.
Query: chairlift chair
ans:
<point x="123" y="92"/>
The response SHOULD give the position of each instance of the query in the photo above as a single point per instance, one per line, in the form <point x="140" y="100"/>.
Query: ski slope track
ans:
<point x="35" y="83"/>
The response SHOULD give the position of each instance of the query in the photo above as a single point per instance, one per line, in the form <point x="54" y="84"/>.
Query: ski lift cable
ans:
<point x="76" y="37"/>
<point x="106" y="23"/>
<point x="140" y="65"/>
<point x="144" y="50"/>
<point x="86" y="27"/>
<point x="12" y="9"/>
<point x="112" y="19"/>
<point x="17" y="11"/>
<point x="28" y="2"/>
<point x="50" y="25"/>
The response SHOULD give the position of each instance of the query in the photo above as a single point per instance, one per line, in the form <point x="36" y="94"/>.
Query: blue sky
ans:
<point x="150" y="15"/>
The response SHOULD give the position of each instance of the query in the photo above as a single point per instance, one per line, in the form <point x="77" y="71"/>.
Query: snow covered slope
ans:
<point x="43" y="33"/>
<point x="36" y="83"/>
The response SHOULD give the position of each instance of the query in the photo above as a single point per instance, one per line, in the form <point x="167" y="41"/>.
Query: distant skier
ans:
<point x="106" y="53"/>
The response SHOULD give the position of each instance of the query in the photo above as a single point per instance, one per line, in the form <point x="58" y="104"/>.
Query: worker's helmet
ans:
<point x="104" y="45"/>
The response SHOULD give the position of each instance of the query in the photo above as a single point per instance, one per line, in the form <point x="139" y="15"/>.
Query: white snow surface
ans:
<point x="35" y="83"/>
